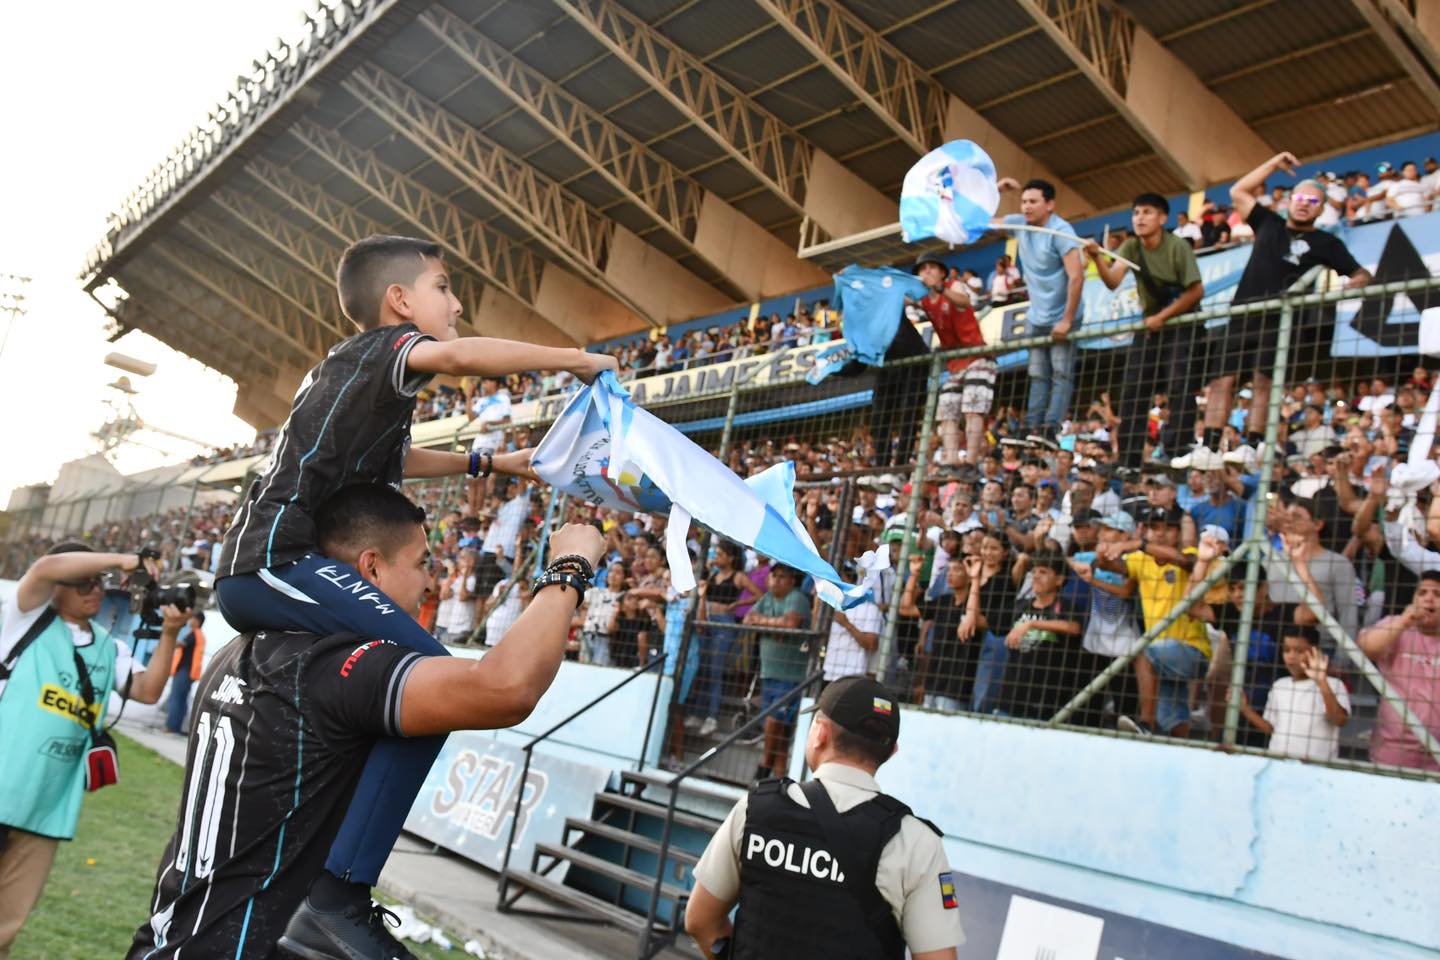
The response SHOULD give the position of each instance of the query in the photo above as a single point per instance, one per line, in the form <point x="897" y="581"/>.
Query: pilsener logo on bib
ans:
<point x="72" y="706"/>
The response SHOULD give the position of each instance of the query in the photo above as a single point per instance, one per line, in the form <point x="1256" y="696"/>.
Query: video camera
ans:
<point x="149" y="596"/>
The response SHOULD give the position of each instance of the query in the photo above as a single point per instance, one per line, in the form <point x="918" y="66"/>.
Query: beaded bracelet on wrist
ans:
<point x="587" y="571"/>
<point x="560" y="580"/>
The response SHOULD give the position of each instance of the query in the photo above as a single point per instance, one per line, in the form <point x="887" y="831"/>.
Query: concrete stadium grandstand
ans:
<point x="1153" y="553"/>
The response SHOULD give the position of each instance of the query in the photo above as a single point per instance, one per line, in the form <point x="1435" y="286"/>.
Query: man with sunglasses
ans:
<point x="57" y="668"/>
<point x="1285" y="249"/>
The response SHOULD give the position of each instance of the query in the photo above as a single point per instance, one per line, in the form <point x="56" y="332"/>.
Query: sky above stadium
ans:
<point x="95" y="95"/>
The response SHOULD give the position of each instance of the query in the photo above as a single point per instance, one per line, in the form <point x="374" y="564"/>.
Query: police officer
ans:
<point x="831" y="868"/>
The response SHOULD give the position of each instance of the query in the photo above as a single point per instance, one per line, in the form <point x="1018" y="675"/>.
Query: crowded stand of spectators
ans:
<point x="1354" y="197"/>
<point x="1045" y="545"/>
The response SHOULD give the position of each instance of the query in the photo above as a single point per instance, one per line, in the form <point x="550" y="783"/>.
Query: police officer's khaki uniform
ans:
<point x="908" y="877"/>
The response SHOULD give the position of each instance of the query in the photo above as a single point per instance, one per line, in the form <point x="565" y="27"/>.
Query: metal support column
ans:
<point x="885" y="655"/>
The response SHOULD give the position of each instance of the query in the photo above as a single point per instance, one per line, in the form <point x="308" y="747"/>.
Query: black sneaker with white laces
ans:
<point x="355" y="932"/>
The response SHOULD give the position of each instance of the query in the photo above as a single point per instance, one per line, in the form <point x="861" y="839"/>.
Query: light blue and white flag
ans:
<point x="950" y="193"/>
<point x="611" y="453"/>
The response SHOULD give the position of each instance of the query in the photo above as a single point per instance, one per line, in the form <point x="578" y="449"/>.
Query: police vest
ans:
<point x="807" y="893"/>
<point x="43" y="732"/>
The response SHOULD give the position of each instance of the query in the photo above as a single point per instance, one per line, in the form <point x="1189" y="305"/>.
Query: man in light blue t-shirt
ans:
<point x="1054" y="271"/>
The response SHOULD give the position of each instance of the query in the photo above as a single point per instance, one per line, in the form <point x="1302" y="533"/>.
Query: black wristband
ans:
<point x="559" y="579"/>
<point x="587" y="570"/>
<point x="487" y="464"/>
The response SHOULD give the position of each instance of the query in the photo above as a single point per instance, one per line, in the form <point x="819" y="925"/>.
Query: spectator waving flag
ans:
<point x="950" y="193"/>
<point x="609" y="452"/>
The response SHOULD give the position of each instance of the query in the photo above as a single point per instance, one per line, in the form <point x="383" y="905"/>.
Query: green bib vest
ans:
<point x="43" y="736"/>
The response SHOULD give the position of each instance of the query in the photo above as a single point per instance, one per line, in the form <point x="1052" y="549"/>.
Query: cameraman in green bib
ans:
<point x="57" y="668"/>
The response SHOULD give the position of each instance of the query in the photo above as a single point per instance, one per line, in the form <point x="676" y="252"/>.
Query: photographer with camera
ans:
<point x="57" y="668"/>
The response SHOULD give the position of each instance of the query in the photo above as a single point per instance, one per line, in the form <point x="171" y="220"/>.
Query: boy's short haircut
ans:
<point x="362" y="516"/>
<point x="1431" y="575"/>
<point x="1046" y="188"/>
<point x="1152" y="200"/>
<point x="1050" y="560"/>
<point x="1309" y="634"/>
<point x="368" y="267"/>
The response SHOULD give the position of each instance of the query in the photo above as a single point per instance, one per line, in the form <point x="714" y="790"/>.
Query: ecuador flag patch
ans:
<point x="947" y="891"/>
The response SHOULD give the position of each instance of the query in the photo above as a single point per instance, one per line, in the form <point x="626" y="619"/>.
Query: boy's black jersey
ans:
<point x="350" y="423"/>
<point x="282" y="726"/>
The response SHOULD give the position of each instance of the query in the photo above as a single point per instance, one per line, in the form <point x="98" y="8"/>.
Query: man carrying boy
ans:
<point x="350" y="424"/>
<point x="1306" y="709"/>
<point x="285" y="719"/>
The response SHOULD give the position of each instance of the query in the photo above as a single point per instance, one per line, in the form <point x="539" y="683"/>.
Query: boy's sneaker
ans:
<point x="1138" y="727"/>
<point x="354" y="933"/>
<point x="693" y="721"/>
<point x="1199" y="458"/>
<point x="709" y="726"/>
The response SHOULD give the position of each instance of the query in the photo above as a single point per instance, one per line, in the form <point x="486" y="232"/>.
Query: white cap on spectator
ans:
<point x="1215" y="532"/>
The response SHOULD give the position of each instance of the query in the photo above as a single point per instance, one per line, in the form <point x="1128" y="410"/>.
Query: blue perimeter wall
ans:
<point x="982" y="259"/>
<point x="1275" y="855"/>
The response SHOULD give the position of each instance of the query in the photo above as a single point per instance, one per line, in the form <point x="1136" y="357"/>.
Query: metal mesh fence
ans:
<point x="1218" y="531"/>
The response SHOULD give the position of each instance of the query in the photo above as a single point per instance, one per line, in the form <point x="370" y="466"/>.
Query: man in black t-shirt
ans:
<point x="1285" y="249"/>
<point x="282" y="726"/>
<point x="1048" y="662"/>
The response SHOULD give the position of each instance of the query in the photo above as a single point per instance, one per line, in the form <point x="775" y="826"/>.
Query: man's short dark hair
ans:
<point x="368" y="267"/>
<point x="362" y="516"/>
<point x="1046" y="188"/>
<point x="1152" y="200"/>
<point x="69" y="546"/>
<point x="860" y="745"/>
<point x="1432" y="575"/>
<point x="198" y="616"/>
<point x="1312" y="507"/>
<point x="1049" y="559"/>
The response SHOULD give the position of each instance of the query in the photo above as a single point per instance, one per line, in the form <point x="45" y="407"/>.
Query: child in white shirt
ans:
<point x="1305" y="710"/>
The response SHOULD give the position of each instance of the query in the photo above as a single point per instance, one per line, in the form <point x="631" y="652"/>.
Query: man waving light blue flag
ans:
<point x="950" y="194"/>
<point x="609" y="452"/>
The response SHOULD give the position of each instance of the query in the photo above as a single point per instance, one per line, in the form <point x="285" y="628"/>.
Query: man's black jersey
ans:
<point x="282" y="726"/>
<point x="350" y="423"/>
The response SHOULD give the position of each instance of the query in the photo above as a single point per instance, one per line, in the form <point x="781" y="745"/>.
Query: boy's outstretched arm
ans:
<point x="421" y="463"/>
<point x="493" y="357"/>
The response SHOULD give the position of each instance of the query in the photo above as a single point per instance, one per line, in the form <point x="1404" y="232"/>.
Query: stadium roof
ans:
<point x="594" y="167"/>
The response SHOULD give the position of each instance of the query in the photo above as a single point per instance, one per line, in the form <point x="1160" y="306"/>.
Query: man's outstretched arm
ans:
<point x="448" y="693"/>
